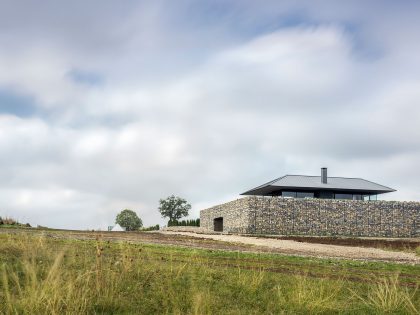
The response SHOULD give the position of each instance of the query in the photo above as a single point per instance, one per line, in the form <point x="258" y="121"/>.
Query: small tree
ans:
<point x="174" y="208"/>
<point x="129" y="219"/>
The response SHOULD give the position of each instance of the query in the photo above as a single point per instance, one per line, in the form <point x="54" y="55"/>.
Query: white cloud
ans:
<point x="285" y="101"/>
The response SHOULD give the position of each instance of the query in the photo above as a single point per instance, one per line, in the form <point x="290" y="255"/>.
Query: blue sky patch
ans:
<point x="86" y="77"/>
<point x="16" y="104"/>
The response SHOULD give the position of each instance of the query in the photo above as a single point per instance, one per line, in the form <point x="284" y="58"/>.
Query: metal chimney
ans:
<point x="324" y="176"/>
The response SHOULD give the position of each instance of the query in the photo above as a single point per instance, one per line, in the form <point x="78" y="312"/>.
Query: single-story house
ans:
<point x="315" y="205"/>
<point x="323" y="187"/>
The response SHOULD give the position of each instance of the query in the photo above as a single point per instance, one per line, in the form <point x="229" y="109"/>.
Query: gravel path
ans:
<point x="232" y="243"/>
<point x="311" y="249"/>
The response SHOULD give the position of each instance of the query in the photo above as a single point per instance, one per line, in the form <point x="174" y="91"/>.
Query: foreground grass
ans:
<point x="42" y="275"/>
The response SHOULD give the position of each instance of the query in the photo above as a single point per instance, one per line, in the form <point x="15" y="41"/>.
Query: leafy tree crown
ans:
<point x="174" y="208"/>
<point x="129" y="219"/>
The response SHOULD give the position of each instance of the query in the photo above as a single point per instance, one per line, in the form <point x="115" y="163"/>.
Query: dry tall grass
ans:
<point x="41" y="276"/>
<point x="386" y="296"/>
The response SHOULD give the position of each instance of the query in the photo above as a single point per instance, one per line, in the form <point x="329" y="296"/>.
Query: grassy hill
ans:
<point x="43" y="274"/>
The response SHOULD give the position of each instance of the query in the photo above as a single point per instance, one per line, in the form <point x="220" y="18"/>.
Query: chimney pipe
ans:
<point x="324" y="176"/>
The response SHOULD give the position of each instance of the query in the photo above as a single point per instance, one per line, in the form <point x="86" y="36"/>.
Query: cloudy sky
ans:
<point x="106" y="105"/>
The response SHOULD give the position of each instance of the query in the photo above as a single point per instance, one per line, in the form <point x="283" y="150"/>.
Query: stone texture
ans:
<point x="277" y="215"/>
<point x="235" y="216"/>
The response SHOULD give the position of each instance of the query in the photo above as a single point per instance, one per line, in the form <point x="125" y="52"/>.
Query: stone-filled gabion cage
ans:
<point x="317" y="217"/>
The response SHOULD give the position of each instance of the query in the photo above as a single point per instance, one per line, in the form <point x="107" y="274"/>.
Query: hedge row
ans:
<point x="185" y="223"/>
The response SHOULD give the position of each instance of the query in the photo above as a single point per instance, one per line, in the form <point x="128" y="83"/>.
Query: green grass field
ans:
<point x="46" y="275"/>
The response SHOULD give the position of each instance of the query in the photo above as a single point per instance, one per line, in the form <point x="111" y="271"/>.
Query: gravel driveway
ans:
<point x="311" y="249"/>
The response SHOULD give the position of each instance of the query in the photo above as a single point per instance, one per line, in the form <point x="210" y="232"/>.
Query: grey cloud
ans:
<point x="199" y="101"/>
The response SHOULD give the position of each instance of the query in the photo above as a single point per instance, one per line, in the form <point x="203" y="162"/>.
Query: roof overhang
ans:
<point x="270" y="189"/>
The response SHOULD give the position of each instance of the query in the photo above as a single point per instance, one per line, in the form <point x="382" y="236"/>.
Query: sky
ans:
<point x="107" y="105"/>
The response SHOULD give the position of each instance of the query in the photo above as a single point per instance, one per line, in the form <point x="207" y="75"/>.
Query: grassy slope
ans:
<point x="41" y="275"/>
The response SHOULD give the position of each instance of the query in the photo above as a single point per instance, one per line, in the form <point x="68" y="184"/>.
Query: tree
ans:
<point x="174" y="208"/>
<point x="129" y="219"/>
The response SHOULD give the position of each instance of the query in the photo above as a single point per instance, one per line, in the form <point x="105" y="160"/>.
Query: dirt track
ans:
<point x="311" y="249"/>
<point x="234" y="243"/>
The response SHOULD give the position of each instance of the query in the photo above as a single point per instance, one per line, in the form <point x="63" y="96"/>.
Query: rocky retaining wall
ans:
<point x="276" y="215"/>
<point x="235" y="216"/>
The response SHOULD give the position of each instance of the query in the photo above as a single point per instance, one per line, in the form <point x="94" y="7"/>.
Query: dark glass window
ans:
<point x="370" y="197"/>
<point x="343" y="196"/>
<point x="326" y="195"/>
<point x="357" y="197"/>
<point x="289" y="194"/>
<point x="304" y="194"/>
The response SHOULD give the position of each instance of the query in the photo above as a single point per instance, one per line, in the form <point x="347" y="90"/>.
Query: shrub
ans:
<point x="151" y="228"/>
<point x="13" y="222"/>
<point x="9" y="221"/>
<point x="195" y="222"/>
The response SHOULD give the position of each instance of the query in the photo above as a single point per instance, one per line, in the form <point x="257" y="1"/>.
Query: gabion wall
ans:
<point x="276" y="215"/>
<point x="235" y="216"/>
